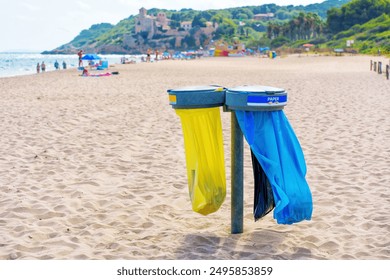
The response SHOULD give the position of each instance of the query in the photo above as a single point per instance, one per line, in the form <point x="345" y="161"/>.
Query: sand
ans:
<point x="94" y="168"/>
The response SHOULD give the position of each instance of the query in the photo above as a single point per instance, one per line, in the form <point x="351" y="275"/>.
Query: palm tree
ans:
<point x="302" y="27"/>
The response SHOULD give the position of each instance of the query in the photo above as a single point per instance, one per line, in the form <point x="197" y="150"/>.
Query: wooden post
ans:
<point x="387" y="71"/>
<point x="375" y="66"/>
<point x="379" y="67"/>
<point x="237" y="174"/>
<point x="370" y="65"/>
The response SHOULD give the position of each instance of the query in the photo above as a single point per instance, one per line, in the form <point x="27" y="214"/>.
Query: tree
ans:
<point x="199" y="21"/>
<point x="333" y="20"/>
<point x="217" y="19"/>
<point x="355" y="12"/>
<point x="242" y="13"/>
<point x="189" y="41"/>
<point x="226" y="29"/>
<point x="280" y="41"/>
<point x="303" y="27"/>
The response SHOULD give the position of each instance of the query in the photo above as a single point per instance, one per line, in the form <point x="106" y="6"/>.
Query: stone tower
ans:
<point x="143" y="12"/>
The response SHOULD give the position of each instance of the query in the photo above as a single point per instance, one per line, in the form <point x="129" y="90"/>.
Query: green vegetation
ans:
<point x="303" y="27"/>
<point x="356" y="12"/>
<point x="114" y="36"/>
<point x="326" y="25"/>
<point x="232" y="23"/>
<point x="367" y="22"/>
<point x="90" y="35"/>
<point x="368" y="37"/>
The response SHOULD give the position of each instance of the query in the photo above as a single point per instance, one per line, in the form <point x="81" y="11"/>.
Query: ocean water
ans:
<point x="16" y="64"/>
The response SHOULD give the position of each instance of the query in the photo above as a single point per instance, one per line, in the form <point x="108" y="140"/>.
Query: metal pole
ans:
<point x="237" y="174"/>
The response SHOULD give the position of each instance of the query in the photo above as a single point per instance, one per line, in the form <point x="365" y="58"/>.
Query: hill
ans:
<point x="187" y="28"/>
<point x="367" y="37"/>
<point x="362" y="25"/>
<point x="366" y="22"/>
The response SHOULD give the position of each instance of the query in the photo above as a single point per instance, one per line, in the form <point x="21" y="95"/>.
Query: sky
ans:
<point x="38" y="25"/>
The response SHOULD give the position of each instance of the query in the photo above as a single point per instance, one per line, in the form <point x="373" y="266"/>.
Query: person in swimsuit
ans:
<point x="148" y="55"/>
<point x="80" y="54"/>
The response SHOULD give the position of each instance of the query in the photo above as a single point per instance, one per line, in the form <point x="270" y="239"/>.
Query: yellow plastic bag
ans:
<point x="202" y="131"/>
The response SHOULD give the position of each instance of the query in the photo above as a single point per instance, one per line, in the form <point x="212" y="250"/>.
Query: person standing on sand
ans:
<point x="156" y="58"/>
<point x="43" y="66"/>
<point x="80" y="54"/>
<point x="64" y="64"/>
<point x="38" y="68"/>
<point x="148" y="55"/>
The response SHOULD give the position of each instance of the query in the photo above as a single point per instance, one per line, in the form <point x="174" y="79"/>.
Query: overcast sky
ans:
<point x="39" y="25"/>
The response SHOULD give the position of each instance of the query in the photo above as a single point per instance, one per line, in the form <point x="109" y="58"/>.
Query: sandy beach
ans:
<point x="94" y="168"/>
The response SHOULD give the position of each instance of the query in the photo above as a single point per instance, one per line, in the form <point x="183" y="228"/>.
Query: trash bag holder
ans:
<point x="197" y="107"/>
<point x="245" y="98"/>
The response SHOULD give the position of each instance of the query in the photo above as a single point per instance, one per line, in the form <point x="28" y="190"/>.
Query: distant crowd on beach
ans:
<point x="42" y="67"/>
<point x="157" y="55"/>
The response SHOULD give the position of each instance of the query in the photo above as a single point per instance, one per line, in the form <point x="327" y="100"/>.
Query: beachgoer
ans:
<point x="156" y="58"/>
<point x="38" y="68"/>
<point x="80" y="54"/>
<point x="85" y="72"/>
<point x="43" y="66"/>
<point x="64" y="64"/>
<point x="148" y="55"/>
<point x="56" y="65"/>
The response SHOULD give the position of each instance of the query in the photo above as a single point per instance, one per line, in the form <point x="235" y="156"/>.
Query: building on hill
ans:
<point x="266" y="16"/>
<point x="156" y="31"/>
<point x="162" y="21"/>
<point x="144" y="22"/>
<point x="186" y="25"/>
<point x="151" y="24"/>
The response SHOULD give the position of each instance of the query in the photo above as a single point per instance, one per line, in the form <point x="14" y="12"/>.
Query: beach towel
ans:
<point x="99" y="75"/>
<point x="202" y="132"/>
<point x="276" y="147"/>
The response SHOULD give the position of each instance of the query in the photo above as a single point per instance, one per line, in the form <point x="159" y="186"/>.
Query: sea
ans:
<point x="17" y="63"/>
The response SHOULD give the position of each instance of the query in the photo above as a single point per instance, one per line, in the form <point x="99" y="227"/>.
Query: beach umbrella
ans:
<point x="307" y="45"/>
<point x="90" y="56"/>
<point x="263" y="49"/>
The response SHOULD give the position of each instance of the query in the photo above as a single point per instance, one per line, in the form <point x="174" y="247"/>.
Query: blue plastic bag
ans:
<point x="276" y="147"/>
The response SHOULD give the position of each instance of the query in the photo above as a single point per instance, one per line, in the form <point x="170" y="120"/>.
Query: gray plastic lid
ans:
<point x="256" y="89"/>
<point x="192" y="97"/>
<point x="255" y="98"/>
<point x="196" y="89"/>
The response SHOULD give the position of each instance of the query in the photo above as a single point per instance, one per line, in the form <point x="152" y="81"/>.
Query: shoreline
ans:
<point x="94" y="168"/>
<point x="21" y="64"/>
<point x="385" y="60"/>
